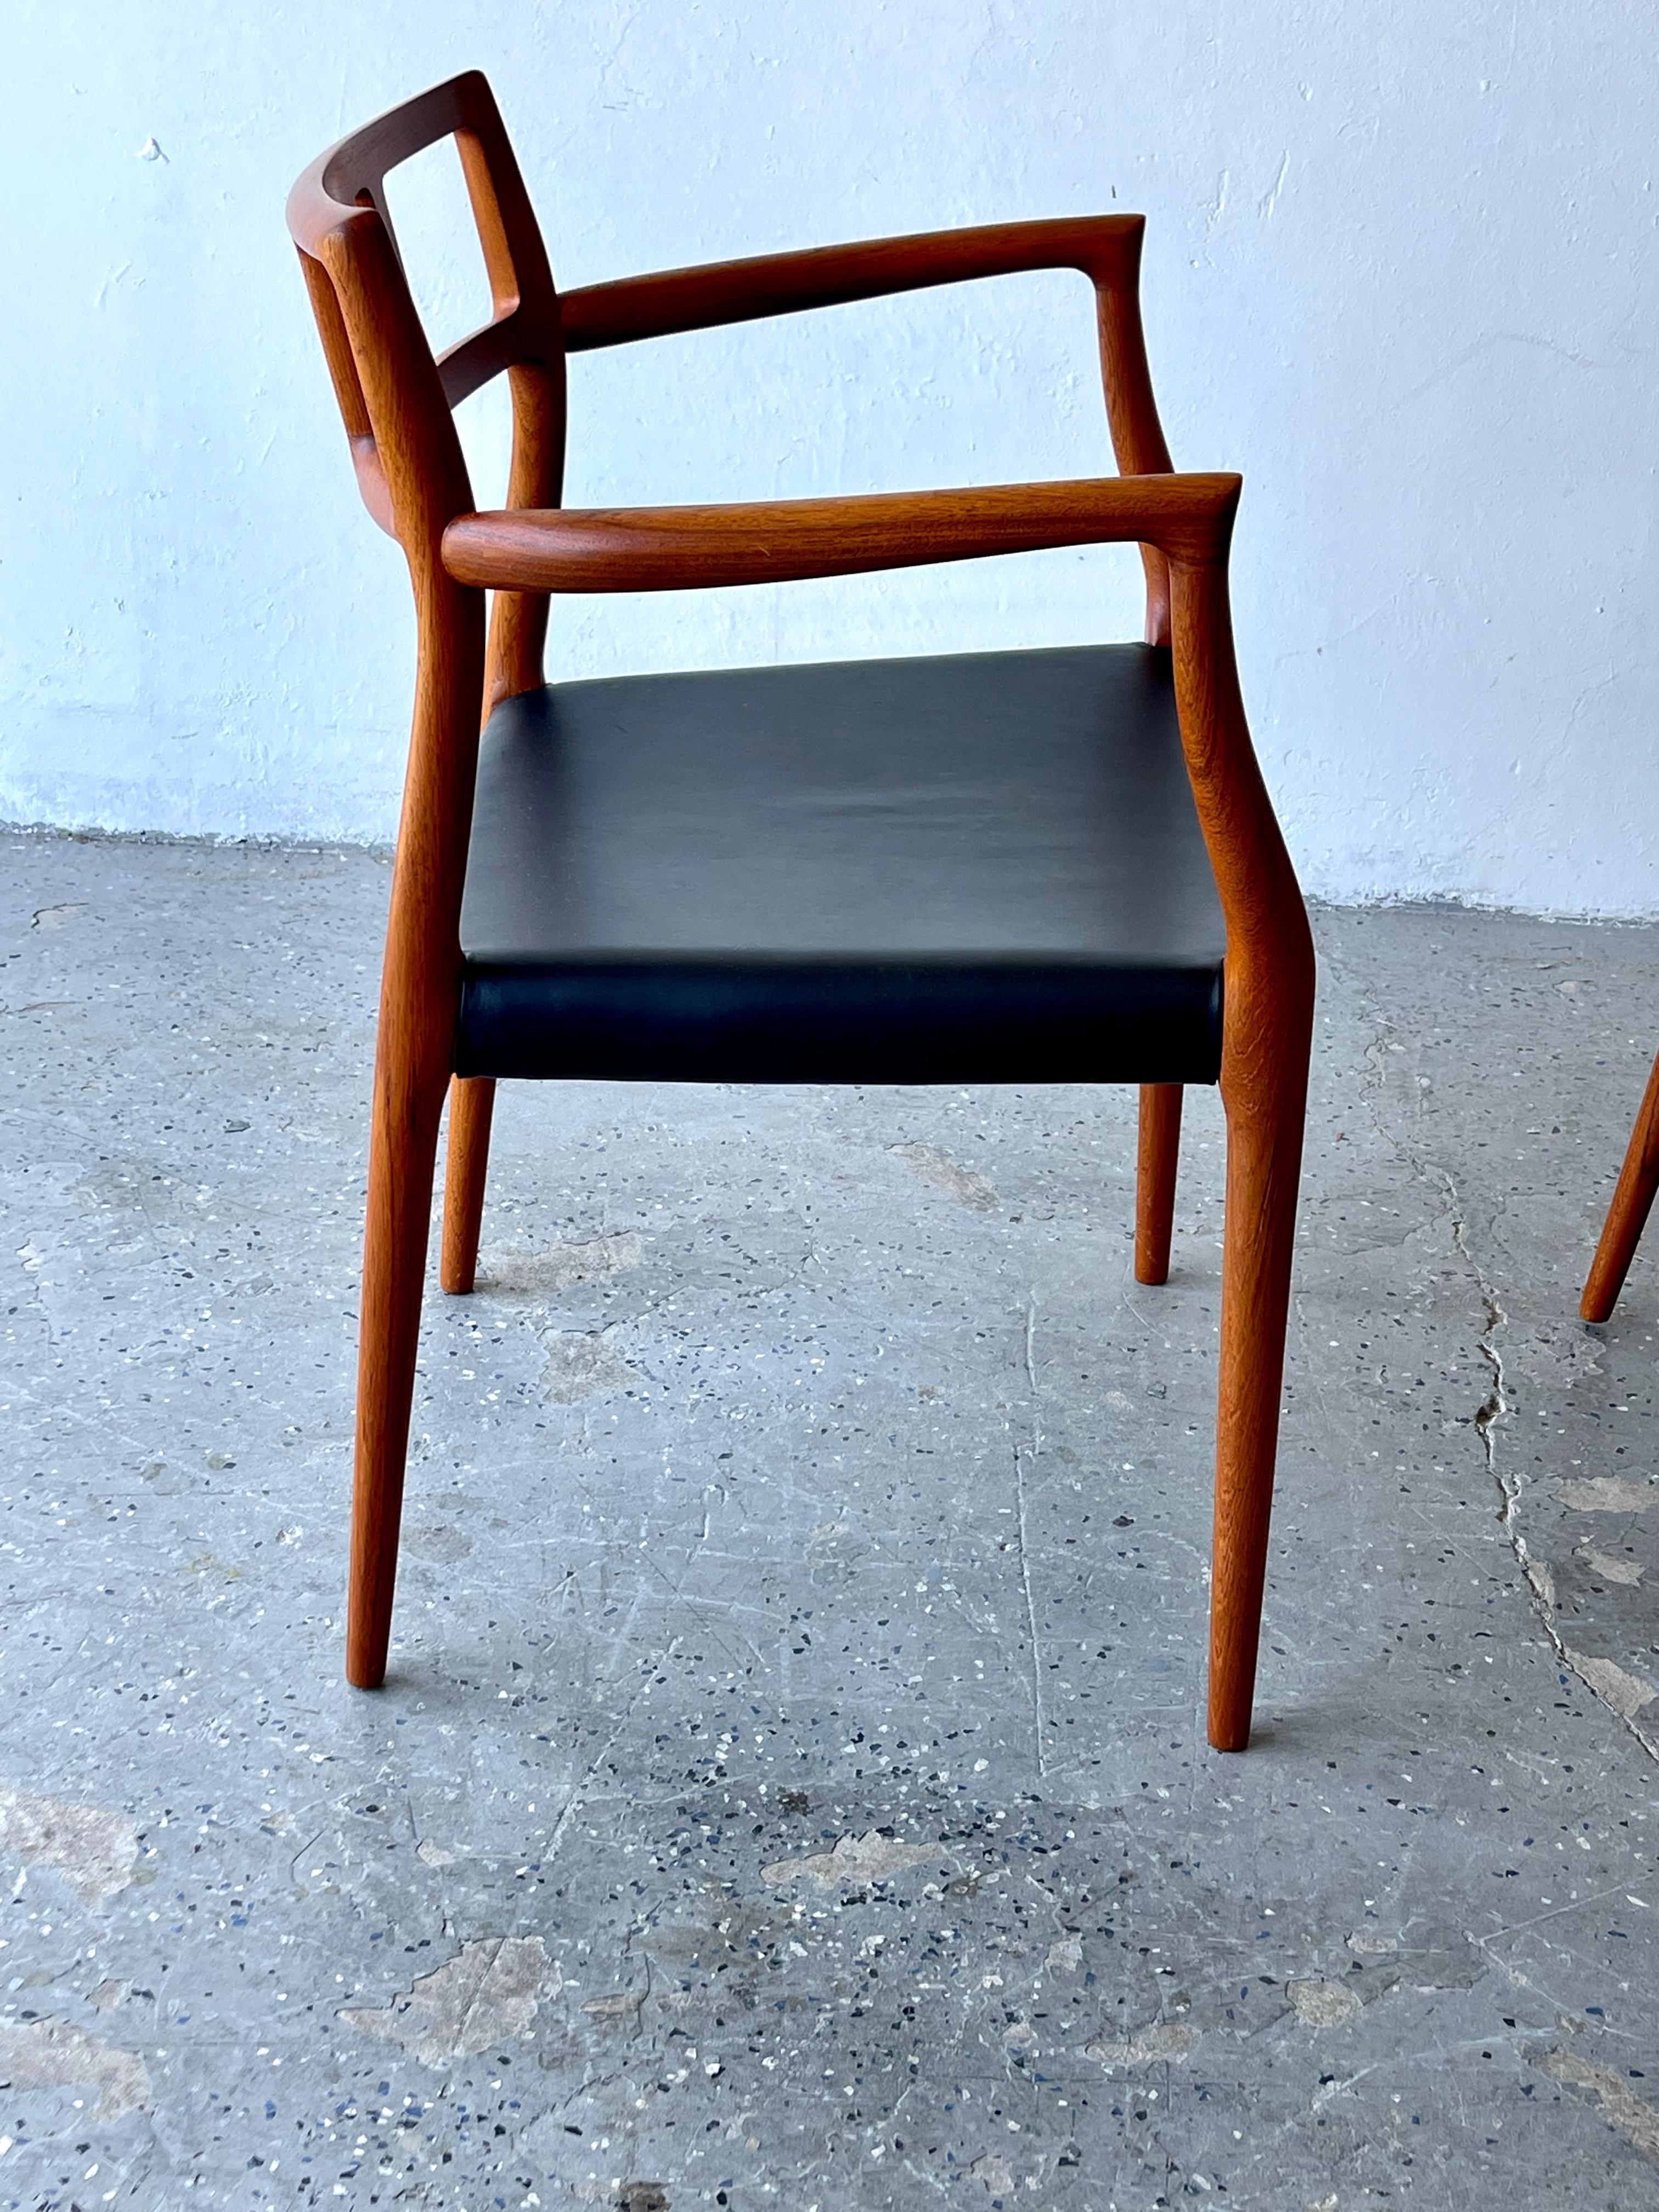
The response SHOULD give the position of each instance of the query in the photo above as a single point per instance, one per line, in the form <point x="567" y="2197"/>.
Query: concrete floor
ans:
<point x="792" y="1786"/>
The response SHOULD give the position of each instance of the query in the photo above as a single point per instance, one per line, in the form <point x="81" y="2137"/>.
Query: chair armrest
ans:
<point x="1105" y="247"/>
<point x="660" y="549"/>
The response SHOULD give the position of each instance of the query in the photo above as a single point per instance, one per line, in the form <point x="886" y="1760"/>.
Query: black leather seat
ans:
<point x="985" y="868"/>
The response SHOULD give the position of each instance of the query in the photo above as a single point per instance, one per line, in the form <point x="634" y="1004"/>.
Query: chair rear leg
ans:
<point x="402" y="1153"/>
<point x="1264" y="1160"/>
<point x="471" y="1103"/>
<point x="1155" y="1179"/>
<point x="1633" y="1199"/>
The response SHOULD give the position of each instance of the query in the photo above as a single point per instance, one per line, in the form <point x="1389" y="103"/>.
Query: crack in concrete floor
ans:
<point x="1623" y="1694"/>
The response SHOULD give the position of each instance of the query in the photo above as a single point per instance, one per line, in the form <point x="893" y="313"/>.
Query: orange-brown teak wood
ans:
<point x="1628" y="1211"/>
<point x="396" y="399"/>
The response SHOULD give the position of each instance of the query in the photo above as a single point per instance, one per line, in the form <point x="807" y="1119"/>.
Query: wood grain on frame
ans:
<point x="395" y="400"/>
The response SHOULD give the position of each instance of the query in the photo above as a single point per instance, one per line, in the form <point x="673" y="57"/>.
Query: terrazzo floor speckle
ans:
<point x="791" y="1787"/>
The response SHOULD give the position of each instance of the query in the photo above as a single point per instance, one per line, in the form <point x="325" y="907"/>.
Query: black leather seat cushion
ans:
<point x="985" y="868"/>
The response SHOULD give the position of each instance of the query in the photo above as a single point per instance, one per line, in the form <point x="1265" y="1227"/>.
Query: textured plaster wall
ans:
<point x="1399" y="273"/>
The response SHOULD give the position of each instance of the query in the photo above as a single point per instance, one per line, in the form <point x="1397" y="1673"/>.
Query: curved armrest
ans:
<point x="660" y="549"/>
<point x="1104" y="247"/>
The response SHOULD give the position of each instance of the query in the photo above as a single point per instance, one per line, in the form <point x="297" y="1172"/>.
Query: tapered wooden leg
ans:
<point x="403" y="1151"/>
<point x="1633" y="1199"/>
<point x="472" y="1102"/>
<point x="1155" y="1179"/>
<point x="1264" y="1160"/>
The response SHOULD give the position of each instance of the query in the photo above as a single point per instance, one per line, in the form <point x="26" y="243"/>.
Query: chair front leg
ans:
<point x="1155" y="1179"/>
<point x="471" y="1103"/>
<point x="1633" y="1201"/>
<point x="1265" y="1116"/>
<point x="402" y="1154"/>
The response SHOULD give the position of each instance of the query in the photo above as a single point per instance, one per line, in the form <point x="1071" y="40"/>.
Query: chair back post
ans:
<point x="517" y="620"/>
<point x="1131" y="410"/>
<point x="409" y="464"/>
<point x="526" y="304"/>
<point x="395" y="400"/>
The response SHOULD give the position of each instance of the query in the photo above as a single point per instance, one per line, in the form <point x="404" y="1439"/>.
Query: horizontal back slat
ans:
<point x="468" y="365"/>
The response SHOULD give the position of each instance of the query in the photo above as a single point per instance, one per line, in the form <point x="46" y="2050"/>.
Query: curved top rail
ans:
<point x="351" y="173"/>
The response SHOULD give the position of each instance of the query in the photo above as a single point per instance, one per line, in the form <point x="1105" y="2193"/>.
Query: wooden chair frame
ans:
<point x="396" y="399"/>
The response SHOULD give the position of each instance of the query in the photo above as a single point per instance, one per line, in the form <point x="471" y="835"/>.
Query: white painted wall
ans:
<point x="1399" y="273"/>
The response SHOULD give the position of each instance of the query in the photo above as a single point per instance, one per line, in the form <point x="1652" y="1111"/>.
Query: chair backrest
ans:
<point x="394" y="394"/>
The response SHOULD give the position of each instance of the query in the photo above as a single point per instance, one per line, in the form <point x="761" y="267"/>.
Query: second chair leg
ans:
<point x="402" y="1154"/>
<point x="1155" y="1179"/>
<point x="1264" y="1162"/>
<point x="1632" y="1199"/>
<point x="471" y="1103"/>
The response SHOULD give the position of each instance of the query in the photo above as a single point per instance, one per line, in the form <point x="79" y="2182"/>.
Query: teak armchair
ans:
<point x="1024" y="866"/>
